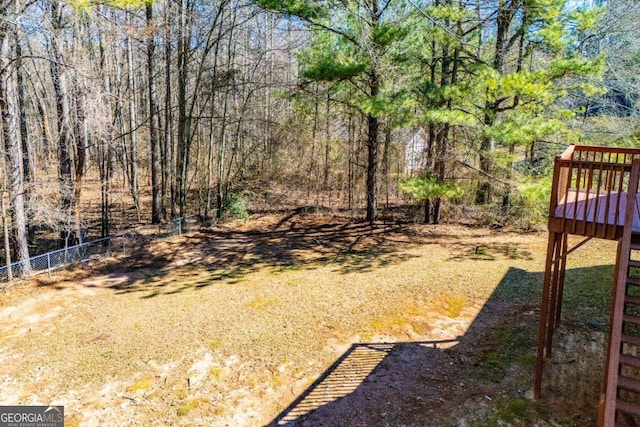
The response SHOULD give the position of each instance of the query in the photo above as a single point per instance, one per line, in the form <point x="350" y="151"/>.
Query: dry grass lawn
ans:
<point x="229" y="325"/>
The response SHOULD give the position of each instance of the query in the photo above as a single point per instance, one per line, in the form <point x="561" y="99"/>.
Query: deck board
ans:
<point x="590" y="207"/>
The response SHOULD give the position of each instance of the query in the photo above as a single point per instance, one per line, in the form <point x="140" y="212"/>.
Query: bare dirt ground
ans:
<point x="310" y="320"/>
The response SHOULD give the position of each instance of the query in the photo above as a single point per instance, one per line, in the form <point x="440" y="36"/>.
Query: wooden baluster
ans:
<point x="591" y="197"/>
<point x="599" y="199"/>
<point x="577" y="203"/>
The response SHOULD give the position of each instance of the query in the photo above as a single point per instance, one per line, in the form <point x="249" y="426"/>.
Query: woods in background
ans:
<point x="154" y="110"/>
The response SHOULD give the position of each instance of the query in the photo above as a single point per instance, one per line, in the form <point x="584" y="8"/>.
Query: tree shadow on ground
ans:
<point x="295" y="242"/>
<point x="483" y="377"/>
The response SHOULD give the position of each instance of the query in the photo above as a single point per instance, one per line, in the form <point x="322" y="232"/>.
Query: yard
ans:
<point x="310" y="320"/>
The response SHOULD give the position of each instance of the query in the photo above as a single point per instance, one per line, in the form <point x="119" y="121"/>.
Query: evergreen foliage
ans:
<point x="422" y="189"/>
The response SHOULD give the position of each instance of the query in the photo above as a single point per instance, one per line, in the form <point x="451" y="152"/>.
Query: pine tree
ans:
<point x="350" y="46"/>
<point x="498" y="73"/>
<point x="534" y="62"/>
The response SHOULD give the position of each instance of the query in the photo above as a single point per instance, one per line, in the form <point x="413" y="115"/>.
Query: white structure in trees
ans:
<point x="415" y="153"/>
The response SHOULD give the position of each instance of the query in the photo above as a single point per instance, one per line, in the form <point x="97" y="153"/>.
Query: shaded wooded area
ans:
<point x="130" y="112"/>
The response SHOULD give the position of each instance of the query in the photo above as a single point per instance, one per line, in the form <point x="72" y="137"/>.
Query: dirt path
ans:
<point x="296" y="321"/>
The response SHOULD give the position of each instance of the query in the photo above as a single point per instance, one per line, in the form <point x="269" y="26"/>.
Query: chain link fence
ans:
<point x="178" y="226"/>
<point x="95" y="249"/>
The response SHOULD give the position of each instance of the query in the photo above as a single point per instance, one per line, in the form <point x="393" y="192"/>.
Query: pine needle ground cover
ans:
<point x="311" y="320"/>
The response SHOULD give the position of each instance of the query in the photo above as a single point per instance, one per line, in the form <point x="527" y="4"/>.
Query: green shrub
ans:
<point x="237" y="205"/>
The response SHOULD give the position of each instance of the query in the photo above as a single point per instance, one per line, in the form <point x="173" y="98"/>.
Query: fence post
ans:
<point x="49" y="264"/>
<point x="5" y="229"/>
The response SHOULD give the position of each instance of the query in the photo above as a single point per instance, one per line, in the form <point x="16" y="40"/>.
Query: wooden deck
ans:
<point x="595" y="194"/>
<point x="589" y="192"/>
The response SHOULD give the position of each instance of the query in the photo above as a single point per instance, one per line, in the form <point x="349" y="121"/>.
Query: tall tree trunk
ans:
<point x="449" y="77"/>
<point x="45" y="129"/>
<point x="132" y="131"/>
<point x="326" y="178"/>
<point x="373" y="123"/>
<point x="81" y="143"/>
<point x="443" y="135"/>
<point x="12" y="146"/>
<point x="506" y="12"/>
<point x="104" y="167"/>
<point x="372" y="153"/>
<point x="210" y="163"/>
<point x="222" y="185"/>
<point x="153" y="119"/>
<point x="184" y="133"/>
<point x="431" y="134"/>
<point x="506" y="197"/>
<point x="219" y="169"/>
<point x="65" y="174"/>
<point x="312" y="179"/>
<point x="103" y="150"/>
<point x="168" y="152"/>
<point x="24" y="137"/>
<point x="351" y="161"/>
<point x="385" y="162"/>
<point x="5" y="234"/>
<point x="483" y="193"/>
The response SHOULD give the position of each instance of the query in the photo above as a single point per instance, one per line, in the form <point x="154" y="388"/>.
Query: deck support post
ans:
<point x="551" y="301"/>
<point x="561" y="275"/>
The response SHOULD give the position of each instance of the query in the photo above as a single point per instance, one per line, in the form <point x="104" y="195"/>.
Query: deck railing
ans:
<point x="589" y="190"/>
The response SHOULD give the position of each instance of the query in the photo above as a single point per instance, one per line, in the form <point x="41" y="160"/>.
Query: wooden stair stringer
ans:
<point x="621" y="404"/>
